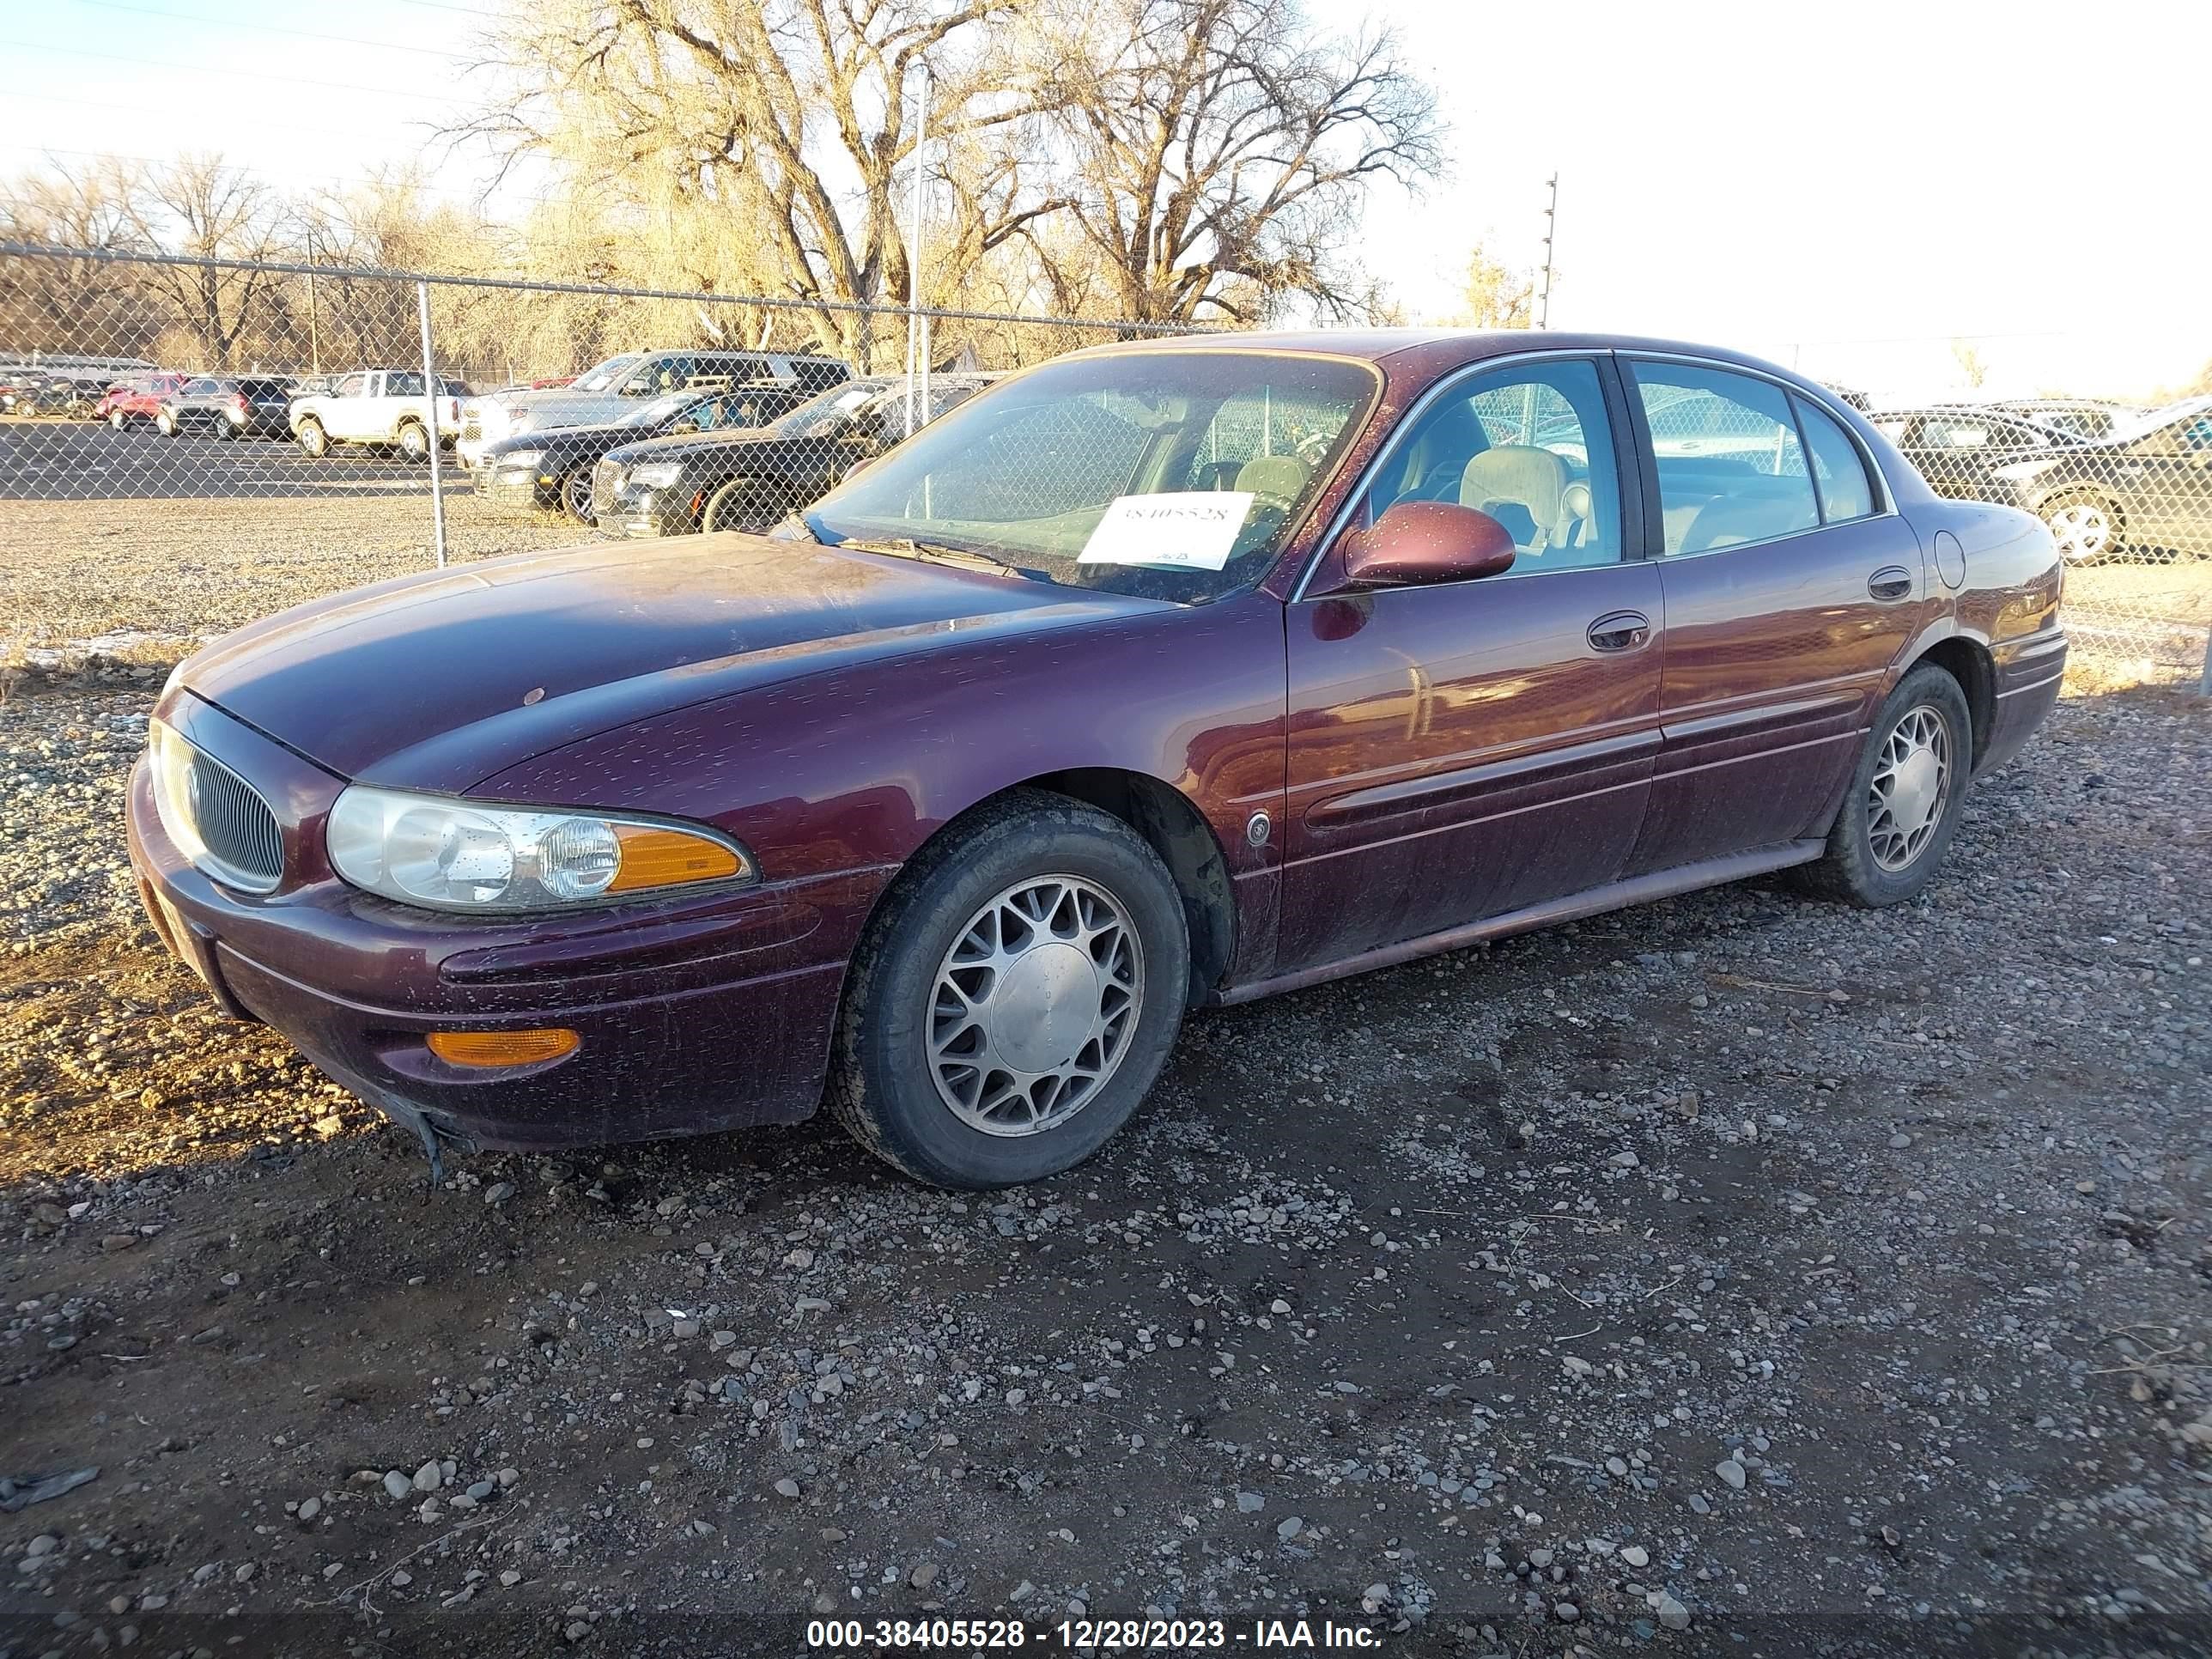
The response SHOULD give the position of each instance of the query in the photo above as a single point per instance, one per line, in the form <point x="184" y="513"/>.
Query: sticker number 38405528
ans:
<point x="1189" y="529"/>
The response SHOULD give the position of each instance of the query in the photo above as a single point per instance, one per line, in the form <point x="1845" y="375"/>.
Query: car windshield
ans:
<point x="1173" y="474"/>
<point x="600" y="376"/>
<point x="657" y="409"/>
<point x="2172" y="414"/>
<point x="831" y="412"/>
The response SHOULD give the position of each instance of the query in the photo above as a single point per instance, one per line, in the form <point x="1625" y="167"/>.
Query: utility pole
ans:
<point x="917" y="326"/>
<point x="1550" y="227"/>
<point x="314" y="329"/>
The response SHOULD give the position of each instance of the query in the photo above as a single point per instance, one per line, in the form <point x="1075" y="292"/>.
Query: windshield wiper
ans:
<point x="940" y="553"/>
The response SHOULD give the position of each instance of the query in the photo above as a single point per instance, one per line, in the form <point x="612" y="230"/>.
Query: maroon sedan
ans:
<point x="1157" y="677"/>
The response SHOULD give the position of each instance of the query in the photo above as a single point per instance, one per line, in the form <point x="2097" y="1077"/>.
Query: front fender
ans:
<point x="856" y="767"/>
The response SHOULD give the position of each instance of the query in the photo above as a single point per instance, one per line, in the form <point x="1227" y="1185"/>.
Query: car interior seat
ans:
<point x="1275" y="481"/>
<point x="1525" y="489"/>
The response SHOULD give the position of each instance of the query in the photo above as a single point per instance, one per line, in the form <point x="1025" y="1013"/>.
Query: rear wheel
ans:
<point x="115" y="419"/>
<point x="1905" y="797"/>
<point x="741" y="504"/>
<point x="2085" y="524"/>
<point x="313" y="439"/>
<point x="169" y="424"/>
<point x="1014" y="997"/>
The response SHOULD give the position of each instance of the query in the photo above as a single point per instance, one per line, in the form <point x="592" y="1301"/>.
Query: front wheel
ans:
<point x="313" y="439"/>
<point x="169" y="423"/>
<point x="2085" y="525"/>
<point x="1014" y="997"/>
<point x="1905" y="797"/>
<point x="115" y="419"/>
<point x="576" y="494"/>
<point x="414" y="442"/>
<point x="740" y="504"/>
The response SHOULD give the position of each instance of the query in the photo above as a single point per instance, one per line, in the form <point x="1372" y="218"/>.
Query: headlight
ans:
<point x="520" y="457"/>
<point x="2023" y="471"/>
<point x="514" y="425"/>
<point x="452" y="854"/>
<point x="658" y="475"/>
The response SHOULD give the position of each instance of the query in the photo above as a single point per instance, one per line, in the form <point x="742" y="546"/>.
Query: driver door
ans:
<point x="1461" y="750"/>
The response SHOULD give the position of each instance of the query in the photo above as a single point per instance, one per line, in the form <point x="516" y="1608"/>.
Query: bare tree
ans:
<point x="78" y="302"/>
<point x="199" y="206"/>
<point x="1222" y="150"/>
<point x="759" y="142"/>
<point x="1497" y="296"/>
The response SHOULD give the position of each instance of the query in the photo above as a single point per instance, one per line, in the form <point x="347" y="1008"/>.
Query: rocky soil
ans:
<point x="1742" y="1274"/>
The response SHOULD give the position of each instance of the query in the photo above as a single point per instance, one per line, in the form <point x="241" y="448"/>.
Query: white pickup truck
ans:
<point x="382" y="406"/>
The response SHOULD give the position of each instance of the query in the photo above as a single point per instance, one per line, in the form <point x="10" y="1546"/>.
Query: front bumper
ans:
<point x="515" y="488"/>
<point x="640" y="512"/>
<point x="695" y="1015"/>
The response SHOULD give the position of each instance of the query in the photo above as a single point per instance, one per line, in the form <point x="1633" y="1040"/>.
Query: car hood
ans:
<point x="441" y="680"/>
<point x="683" y="446"/>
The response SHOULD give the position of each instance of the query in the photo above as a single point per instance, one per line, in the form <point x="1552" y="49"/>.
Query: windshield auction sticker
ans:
<point x="1189" y="529"/>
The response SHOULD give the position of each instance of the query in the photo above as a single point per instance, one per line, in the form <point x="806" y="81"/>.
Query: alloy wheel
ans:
<point x="1910" y="783"/>
<point x="1033" y="1007"/>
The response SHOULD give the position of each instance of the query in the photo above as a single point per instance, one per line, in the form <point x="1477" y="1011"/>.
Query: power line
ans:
<point x="270" y="28"/>
<point x="248" y="75"/>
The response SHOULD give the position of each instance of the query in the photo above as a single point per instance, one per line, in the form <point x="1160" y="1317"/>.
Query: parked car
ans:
<point x="1159" y="675"/>
<point x="19" y="390"/>
<point x="2146" y="487"/>
<point x="250" y="406"/>
<point x="2077" y="418"/>
<point x="1962" y="450"/>
<point x="138" y="398"/>
<point x="749" y="480"/>
<point x="378" y="406"/>
<point x="604" y="392"/>
<point x="553" y="469"/>
<point x="73" y="396"/>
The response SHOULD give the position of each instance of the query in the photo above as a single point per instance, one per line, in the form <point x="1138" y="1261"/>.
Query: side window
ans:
<point x="354" y="385"/>
<point x="1531" y="446"/>
<point x="1731" y="468"/>
<point x="200" y="388"/>
<point x="403" y="383"/>
<point x="1837" y="467"/>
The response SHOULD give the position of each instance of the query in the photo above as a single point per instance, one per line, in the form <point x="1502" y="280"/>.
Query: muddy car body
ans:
<point x="1158" y="676"/>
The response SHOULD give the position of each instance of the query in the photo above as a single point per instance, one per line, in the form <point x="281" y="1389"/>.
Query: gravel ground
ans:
<point x="1742" y="1274"/>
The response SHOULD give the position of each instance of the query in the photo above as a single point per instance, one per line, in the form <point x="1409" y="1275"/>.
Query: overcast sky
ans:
<point x="1851" y="187"/>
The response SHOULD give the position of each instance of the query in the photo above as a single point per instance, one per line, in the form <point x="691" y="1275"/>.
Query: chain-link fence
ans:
<point x="188" y="444"/>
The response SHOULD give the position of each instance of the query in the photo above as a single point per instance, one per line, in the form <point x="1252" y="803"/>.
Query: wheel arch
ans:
<point x="1969" y="662"/>
<point x="1169" y="822"/>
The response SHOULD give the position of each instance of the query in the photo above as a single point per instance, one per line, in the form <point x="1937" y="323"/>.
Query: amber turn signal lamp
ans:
<point x="668" y="858"/>
<point x="502" y="1048"/>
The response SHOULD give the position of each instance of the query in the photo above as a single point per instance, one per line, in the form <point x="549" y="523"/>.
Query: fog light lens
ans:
<point x="502" y="1048"/>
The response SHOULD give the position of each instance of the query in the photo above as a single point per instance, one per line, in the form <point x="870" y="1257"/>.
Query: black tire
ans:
<point x="313" y="438"/>
<point x="2071" y="516"/>
<point x="414" y="442"/>
<point x="882" y="1086"/>
<point x="575" y="492"/>
<point x="740" y="504"/>
<point x="1853" y="870"/>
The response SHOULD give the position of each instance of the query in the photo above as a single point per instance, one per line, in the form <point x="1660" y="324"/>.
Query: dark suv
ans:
<point x="750" y="480"/>
<point x="251" y="407"/>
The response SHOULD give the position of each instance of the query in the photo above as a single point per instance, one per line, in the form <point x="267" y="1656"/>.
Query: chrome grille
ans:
<point x="233" y="823"/>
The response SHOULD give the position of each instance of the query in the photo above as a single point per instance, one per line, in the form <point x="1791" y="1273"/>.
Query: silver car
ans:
<point x="606" y="392"/>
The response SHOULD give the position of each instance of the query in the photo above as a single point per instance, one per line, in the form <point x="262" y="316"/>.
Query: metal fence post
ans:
<point x="431" y="389"/>
<point x="2205" y="684"/>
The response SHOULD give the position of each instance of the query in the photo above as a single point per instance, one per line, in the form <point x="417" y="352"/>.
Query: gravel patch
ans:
<point x="1742" y="1266"/>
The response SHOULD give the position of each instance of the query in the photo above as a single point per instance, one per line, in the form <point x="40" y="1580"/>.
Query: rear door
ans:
<point x="1791" y="588"/>
<point x="1459" y="751"/>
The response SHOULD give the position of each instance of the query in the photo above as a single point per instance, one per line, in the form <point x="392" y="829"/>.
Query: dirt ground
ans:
<point x="1742" y="1274"/>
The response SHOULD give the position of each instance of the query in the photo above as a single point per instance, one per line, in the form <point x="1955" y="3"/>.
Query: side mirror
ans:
<point x="687" y="424"/>
<point x="1415" y="542"/>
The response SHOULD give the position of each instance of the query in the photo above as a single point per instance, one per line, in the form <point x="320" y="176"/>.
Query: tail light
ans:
<point x="238" y="404"/>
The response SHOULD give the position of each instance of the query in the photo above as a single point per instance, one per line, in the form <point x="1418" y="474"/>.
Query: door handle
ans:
<point x="1624" y="630"/>
<point x="1890" y="583"/>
